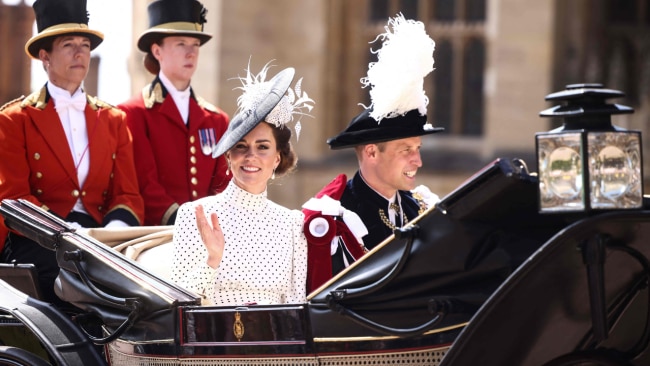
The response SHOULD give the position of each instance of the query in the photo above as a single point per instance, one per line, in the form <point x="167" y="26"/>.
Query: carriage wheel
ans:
<point x="13" y="356"/>
<point x="590" y="358"/>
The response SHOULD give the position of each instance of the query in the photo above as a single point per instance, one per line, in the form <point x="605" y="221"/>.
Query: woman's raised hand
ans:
<point x="211" y="235"/>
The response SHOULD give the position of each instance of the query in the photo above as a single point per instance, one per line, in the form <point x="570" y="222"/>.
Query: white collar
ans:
<point x="175" y="93"/>
<point x="61" y="94"/>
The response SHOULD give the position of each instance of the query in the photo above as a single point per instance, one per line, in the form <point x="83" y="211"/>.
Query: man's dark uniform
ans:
<point x="367" y="203"/>
<point x="355" y="195"/>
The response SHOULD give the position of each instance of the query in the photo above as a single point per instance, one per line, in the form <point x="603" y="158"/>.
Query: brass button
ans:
<point x="37" y="156"/>
<point x="193" y="159"/>
<point x="83" y="193"/>
<point x="193" y="170"/>
<point x="192" y="139"/>
<point x="99" y="208"/>
<point x="193" y="150"/>
<point x="75" y="193"/>
<point x="111" y="175"/>
<point x="39" y="192"/>
<point x="194" y="194"/>
<point x="194" y="181"/>
<point x="114" y="156"/>
<point x="104" y="193"/>
<point x="39" y="175"/>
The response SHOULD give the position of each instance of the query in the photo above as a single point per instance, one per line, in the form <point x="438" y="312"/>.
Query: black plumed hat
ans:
<point x="60" y="17"/>
<point x="398" y="108"/>
<point x="174" y="18"/>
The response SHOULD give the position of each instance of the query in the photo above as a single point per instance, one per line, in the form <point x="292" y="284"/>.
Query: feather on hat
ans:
<point x="398" y="101"/>
<point x="272" y="101"/>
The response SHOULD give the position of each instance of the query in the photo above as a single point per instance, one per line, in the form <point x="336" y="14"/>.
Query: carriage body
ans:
<point x="482" y="262"/>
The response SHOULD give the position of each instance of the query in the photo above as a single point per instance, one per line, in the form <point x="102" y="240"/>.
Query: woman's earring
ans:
<point x="228" y="169"/>
<point x="273" y="175"/>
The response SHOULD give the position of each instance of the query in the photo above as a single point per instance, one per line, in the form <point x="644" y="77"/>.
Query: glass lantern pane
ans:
<point x="560" y="172"/>
<point x="615" y="169"/>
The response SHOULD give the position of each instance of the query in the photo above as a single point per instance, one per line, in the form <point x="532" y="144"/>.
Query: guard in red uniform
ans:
<point x="173" y="128"/>
<point x="64" y="150"/>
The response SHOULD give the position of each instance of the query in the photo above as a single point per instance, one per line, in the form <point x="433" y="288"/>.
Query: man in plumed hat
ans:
<point x="61" y="149"/>
<point x="173" y="128"/>
<point x="387" y="140"/>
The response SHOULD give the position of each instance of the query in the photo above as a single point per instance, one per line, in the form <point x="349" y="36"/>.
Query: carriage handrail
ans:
<point x="435" y="306"/>
<point x="402" y="332"/>
<point x="133" y="303"/>
<point x="409" y="233"/>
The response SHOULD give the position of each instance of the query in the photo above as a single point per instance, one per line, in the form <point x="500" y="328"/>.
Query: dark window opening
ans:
<point x="440" y="106"/>
<point x="444" y="10"/>
<point x="473" y="65"/>
<point x="378" y="10"/>
<point x="475" y="11"/>
<point x="622" y="11"/>
<point x="409" y="8"/>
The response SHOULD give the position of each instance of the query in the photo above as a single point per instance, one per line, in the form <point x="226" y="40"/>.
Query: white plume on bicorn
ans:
<point x="397" y="78"/>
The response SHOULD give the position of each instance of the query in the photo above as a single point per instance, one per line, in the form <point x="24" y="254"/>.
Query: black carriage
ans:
<point x="483" y="278"/>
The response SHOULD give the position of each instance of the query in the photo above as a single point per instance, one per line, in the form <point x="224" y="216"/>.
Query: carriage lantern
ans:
<point x="588" y="164"/>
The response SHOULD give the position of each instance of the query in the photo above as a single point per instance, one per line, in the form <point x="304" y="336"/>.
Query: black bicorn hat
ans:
<point x="60" y="17"/>
<point x="364" y="129"/>
<point x="174" y="18"/>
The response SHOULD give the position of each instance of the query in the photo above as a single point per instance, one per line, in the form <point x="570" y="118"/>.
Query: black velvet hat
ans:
<point x="246" y="120"/>
<point x="364" y="129"/>
<point x="58" y="17"/>
<point x="174" y="18"/>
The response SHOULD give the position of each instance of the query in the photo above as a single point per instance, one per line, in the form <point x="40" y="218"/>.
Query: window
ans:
<point x="628" y="26"/>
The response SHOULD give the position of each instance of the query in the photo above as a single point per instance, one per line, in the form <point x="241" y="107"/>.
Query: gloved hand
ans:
<point x="74" y="225"/>
<point x="116" y="224"/>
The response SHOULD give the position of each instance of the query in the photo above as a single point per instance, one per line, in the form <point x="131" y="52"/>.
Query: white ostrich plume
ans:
<point x="397" y="78"/>
<point x="294" y="102"/>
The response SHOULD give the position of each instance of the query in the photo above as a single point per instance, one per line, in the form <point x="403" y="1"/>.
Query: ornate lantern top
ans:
<point x="586" y="107"/>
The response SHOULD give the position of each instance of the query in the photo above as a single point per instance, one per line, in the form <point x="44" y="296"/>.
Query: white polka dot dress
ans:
<point x="265" y="255"/>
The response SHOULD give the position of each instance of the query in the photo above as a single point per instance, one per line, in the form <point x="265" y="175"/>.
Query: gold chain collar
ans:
<point x="386" y="221"/>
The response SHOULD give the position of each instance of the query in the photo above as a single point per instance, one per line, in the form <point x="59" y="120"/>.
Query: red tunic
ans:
<point x="38" y="166"/>
<point x="172" y="168"/>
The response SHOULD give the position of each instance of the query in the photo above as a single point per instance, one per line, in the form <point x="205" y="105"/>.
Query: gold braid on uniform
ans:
<point x="421" y="203"/>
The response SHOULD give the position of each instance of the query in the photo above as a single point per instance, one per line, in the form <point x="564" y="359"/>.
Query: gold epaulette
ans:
<point x="12" y="102"/>
<point x="96" y="103"/>
<point x="37" y="99"/>
<point x="207" y="106"/>
<point x="422" y="204"/>
<point x="151" y="96"/>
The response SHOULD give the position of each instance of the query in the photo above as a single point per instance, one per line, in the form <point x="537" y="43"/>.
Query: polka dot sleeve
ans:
<point x="297" y="292"/>
<point x="189" y="268"/>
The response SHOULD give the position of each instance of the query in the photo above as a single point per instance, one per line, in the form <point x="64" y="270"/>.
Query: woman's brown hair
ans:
<point x="288" y="157"/>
